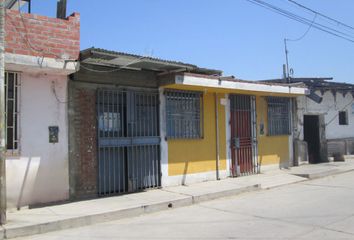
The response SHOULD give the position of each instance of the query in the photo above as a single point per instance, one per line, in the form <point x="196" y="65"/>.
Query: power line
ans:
<point x="321" y="14"/>
<point x="305" y="33"/>
<point x="335" y="116"/>
<point x="303" y="20"/>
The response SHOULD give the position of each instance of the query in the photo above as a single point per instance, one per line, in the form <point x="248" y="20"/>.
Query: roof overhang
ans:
<point x="206" y="83"/>
<point x="114" y="59"/>
<point x="33" y="64"/>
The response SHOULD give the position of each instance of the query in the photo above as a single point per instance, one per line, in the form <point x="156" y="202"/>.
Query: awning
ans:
<point x="188" y="81"/>
<point x="98" y="56"/>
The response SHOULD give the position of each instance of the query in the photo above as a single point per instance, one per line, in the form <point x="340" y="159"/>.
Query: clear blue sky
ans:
<point x="235" y="36"/>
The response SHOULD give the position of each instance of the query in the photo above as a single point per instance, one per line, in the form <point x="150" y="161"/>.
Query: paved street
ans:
<point x="318" y="209"/>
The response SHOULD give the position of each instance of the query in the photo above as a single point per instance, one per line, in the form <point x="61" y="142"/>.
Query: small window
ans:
<point x="343" y="117"/>
<point x="12" y="85"/>
<point x="184" y="114"/>
<point x="278" y="116"/>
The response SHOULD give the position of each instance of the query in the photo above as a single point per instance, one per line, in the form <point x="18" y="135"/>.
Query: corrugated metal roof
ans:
<point x="110" y="58"/>
<point x="317" y="83"/>
<point x="116" y="53"/>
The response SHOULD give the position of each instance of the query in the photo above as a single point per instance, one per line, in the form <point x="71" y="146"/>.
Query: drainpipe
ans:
<point x="2" y="117"/>
<point x="61" y="9"/>
<point x="217" y="135"/>
<point x="292" y="136"/>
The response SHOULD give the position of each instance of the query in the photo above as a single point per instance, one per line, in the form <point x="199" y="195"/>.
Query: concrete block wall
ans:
<point x="329" y="108"/>
<point x="82" y="142"/>
<point x="336" y="135"/>
<point x="35" y="35"/>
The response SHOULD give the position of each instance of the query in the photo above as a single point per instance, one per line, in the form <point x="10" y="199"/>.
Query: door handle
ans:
<point x="236" y="142"/>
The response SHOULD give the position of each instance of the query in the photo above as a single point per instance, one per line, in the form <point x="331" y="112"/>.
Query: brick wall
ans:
<point x="83" y="145"/>
<point x="34" y="35"/>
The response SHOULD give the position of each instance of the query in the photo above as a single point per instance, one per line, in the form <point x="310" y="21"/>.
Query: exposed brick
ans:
<point x="22" y="52"/>
<point x="42" y="36"/>
<point x="39" y="17"/>
<point x="85" y="125"/>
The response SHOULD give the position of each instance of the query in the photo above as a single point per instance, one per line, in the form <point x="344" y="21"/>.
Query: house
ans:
<point x="40" y="53"/>
<point x="324" y="119"/>
<point x="139" y="122"/>
<point x="116" y="123"/>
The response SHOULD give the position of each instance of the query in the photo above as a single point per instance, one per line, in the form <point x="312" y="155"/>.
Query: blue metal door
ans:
<point x="128" y="141"/>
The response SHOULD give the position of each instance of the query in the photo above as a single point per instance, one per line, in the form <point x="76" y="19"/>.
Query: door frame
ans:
<point x="322" y="141"/>
<point x="254" y="142"/>
<point x="130" y="141"/>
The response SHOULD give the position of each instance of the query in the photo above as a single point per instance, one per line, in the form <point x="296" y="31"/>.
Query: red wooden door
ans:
<point x="242" y="148"/>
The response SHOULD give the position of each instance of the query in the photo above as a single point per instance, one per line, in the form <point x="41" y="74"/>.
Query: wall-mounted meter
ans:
<point x="53" y="134"/>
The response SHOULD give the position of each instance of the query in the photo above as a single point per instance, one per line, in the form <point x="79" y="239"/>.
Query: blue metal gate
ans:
<point x="128" y="141"/>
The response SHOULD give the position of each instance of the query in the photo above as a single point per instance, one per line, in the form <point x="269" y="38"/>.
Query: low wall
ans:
<point x="343" y="146"/>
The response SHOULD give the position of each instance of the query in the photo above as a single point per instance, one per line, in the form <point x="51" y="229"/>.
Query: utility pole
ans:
<point x="2" y="117"/>
<point x="287" y="61"/>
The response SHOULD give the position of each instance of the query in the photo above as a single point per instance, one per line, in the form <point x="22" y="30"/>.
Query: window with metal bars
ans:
<point x="12" y="85"/>
<point x="343" y="117"/>
<point x="278" y="116"/>
<point x="184" y="114"/>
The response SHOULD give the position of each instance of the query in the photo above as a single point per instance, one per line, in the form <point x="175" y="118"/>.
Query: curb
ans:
<point x="80" y="221"/>
<point x="226" y="193"/>
<point x="311" y="176"/>
<point x="186" y="200"/>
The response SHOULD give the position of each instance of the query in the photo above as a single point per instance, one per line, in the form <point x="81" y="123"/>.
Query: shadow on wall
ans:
<point x="272" y="161"/>
<point x="21" y="174"/>
<point x="260" y="161"/>
<point x="185" y="171"/>
<point x="274" y="151"/>
<point x="284" y="163"/>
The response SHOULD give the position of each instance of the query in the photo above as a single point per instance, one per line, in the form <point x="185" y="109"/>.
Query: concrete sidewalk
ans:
<point x="313" y="171"/>
<point x="40" y="220"/>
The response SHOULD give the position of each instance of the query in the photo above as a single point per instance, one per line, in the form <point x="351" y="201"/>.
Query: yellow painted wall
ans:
<point x="271" y="149"/>
<point x="187" y="156"/>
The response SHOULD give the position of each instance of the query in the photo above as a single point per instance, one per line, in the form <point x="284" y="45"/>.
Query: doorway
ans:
<point x="312" y="137"/>
<point x="128" y="141"/>
<point x="243" y="140"/>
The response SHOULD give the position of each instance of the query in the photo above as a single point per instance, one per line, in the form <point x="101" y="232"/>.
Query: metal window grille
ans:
<point x="128" y="140"/>
<point x="278" y="116"/>
<point x="12" y="85"/>
<point x="343" y="117"/>
<point x="184" y="110"/>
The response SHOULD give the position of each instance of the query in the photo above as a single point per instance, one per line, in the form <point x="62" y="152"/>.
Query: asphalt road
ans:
<point x="318" y="209"/>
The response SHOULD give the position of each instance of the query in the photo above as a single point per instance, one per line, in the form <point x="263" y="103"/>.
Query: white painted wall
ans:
<point x="330" y="106"/>
<point x="163" y="144"/>
<point x="39" y="173"/>
<point x="228" y="135"/>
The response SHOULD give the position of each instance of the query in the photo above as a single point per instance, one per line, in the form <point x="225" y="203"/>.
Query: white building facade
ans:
<point x="40" y="53"/>
<point x="326" y="125"/>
